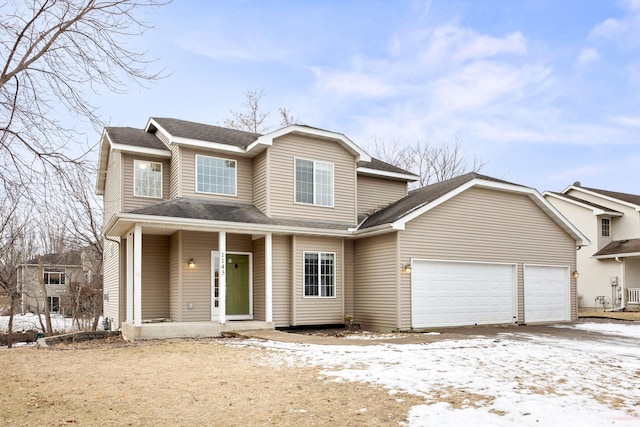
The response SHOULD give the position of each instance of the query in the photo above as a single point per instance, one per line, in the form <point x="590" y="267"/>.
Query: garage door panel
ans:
<point x="461" y="293"/>
<point x="546" y="293"/>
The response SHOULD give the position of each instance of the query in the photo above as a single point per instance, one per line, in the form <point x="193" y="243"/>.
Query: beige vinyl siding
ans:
<point x="155" y="276"/>
<point x="488" y="226"/>
<point x="349" y="277"/>
<point x="261" y="181"/>
<point x="175" y="273"/>
<point x="315" y="310"/>
<point x="131" y="201"/>
<point x="244" y="175"/>
<point x="376" y="281"/>
<point x="175" y="172"/>
<point x="376" y="193"/>
<point x="112" y="198"/>
<point x="258" y="280"/>
<point x="196" y="282"/>
<point x="111" y="282"/>
<point x="281" y="280"/>
<point x="282" y="179"/>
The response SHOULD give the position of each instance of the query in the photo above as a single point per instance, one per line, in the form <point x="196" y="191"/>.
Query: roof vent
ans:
<point x="577" y="184"/>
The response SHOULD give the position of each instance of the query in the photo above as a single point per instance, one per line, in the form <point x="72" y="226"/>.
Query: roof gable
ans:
<point x="420" y="201"/>
<point x="631" y="200"/>
<point x="594" y="207"/>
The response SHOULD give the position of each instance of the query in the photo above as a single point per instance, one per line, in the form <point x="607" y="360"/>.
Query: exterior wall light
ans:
<point x="192" y="263"/>
<point x="406" y="268"/>
<point x="575" y="275"/>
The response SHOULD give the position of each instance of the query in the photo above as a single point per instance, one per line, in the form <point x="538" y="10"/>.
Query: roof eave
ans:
<point x="387" y="174"/>
<point x="129" y="219"/>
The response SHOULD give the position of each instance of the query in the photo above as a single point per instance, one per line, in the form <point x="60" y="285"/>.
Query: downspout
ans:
<point x="622" y="295"/>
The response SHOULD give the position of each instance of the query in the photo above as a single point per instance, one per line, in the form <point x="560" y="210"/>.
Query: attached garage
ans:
<point x="547" y="293"/>
<point x="448" y="293"/>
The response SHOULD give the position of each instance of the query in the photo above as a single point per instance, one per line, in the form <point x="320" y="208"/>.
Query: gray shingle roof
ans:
<point x="64" y="258"/>
<point x="585" y="202"/>
<point x="620" y="247"/>
<point x="134" y="137"/>
<point x="202" y="132"/>
<point x="420" y="197"/>
<point x="383" y="166"/>
<point x="221" y="210"/>
<point x="626" y="197"/>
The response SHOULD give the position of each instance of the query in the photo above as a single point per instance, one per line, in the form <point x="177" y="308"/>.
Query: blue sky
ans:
<point x="545" y="92"/>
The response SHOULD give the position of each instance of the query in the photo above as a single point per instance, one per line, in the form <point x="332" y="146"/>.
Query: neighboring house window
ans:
<point x="54" y="276"/>
<point x="319" y="274"/>
<point x="216" y="176"/>
<point x="606" y="227"/>
<point x="147" y="178"/>
<point x="53" y="304"/>
<point x="314" y="182"/>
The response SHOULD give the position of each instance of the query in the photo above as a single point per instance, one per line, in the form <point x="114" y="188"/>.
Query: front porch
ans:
<point x="164" y="330"/>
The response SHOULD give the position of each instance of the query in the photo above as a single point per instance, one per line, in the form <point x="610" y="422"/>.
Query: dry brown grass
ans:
<point x="181" y="382"/>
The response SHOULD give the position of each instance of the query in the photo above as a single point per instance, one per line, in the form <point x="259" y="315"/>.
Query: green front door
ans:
<point x="238" y="295"/>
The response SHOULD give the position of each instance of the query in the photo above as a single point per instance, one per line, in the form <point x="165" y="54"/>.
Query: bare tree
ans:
<point x="52" y="53"/>
<point x="431" y="163"/>
<point x="286" y="118"/>
<point x="252" y="118"/>
<point x="15" y="246"/>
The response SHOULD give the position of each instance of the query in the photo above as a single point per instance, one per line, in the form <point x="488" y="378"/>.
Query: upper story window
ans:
<point x="215" y="175"/>
<point x="605" y="229"/>
<point x="147" y="179"/>
<point x="54" y="276"/>
<point x="319" y="274"/>
<point x="314" y="182"/>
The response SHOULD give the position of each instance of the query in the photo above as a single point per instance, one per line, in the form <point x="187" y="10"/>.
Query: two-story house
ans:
<point x="610" y="270"/>
<point x="209" y="229"/>
<point x="45" y="280"/>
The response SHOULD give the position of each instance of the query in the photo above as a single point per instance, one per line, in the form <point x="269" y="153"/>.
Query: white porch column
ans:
<point x="222" y="277"/>
<point x="268" y="283"/>
<point x="137" y="275"/>
<point x="129" y="278"/>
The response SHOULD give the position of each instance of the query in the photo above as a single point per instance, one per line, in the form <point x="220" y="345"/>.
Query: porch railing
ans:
<point x="633" y="295"/>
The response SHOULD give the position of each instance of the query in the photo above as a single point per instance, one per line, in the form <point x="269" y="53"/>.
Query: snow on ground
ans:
<point x="29" y="322"/>
<point x="512" y="379"/>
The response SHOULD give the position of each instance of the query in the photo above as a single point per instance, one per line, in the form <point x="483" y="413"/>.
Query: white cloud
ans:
<point x="624" y="30"/>
<point x="352" y="83"/>
<point x="587" y="56"/>
<point x="633" y="121"/>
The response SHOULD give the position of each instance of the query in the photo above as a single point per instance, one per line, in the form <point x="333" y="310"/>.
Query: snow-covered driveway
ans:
<point x="513" y="378"/>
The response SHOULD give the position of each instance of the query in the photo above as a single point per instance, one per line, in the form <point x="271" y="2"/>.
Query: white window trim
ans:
<point x="602" y="228"/>
<point x="335" y="275"/>
<point x="333" y="183"/>
<point x="195" y="169"/>
<point x="62" y="272"/>
<point x="135" y="163"/>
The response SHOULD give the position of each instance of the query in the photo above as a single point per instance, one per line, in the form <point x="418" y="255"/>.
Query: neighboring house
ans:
<point x="610" y="270"/>
<point x="58" y="270"/>
<point x="211" y="229"/>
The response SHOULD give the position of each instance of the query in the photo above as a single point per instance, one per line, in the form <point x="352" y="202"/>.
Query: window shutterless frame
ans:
<point x="146" y="178"/>
<point x="321" y="183"/>
<point x="215" y="175"/>
<point x="318" y="274"/>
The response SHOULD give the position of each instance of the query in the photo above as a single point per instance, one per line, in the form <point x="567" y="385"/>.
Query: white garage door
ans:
<point x="462" y="293"/>
<point x="546" y="293"/>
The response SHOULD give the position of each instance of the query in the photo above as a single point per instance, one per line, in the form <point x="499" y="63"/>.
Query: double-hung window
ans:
<point x="319" y="274"/>
<point x="147" y="179"/>
<point x="606" y="227"/>
<point x="215" y="175"/>
<point x="314" y="182"/>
